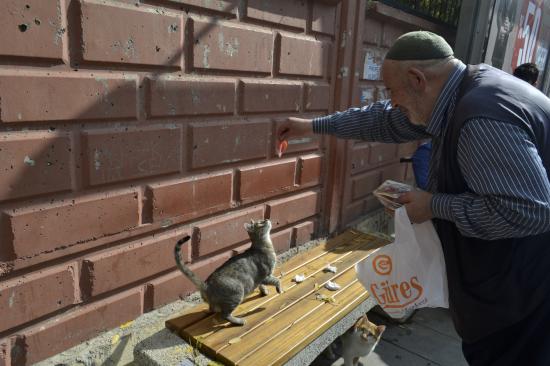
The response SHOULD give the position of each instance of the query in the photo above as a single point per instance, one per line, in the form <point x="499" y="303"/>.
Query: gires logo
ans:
<point x="389" y="294"/>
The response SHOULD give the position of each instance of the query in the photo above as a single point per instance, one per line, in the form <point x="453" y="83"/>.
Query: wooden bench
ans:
<point x="277" y="326"/>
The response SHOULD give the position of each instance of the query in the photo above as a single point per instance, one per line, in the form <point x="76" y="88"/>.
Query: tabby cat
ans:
<point x="228" y="285"/>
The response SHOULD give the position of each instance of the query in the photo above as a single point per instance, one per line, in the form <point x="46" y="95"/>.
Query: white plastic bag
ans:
<point x="408" y="273"/>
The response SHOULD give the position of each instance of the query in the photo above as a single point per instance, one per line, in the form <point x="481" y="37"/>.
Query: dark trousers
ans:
<point x="524" y="343"/>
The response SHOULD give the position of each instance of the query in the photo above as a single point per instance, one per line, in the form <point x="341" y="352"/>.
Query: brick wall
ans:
<point x="127" y="124"/>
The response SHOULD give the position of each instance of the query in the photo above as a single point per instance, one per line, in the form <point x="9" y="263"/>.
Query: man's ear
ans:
<point x="417" y="79"/>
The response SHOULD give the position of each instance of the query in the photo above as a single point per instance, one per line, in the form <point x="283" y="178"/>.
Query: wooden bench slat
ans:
<point x="188" y="317"/>
<point x="270" y="329"/>
<point x="287" y="344"/>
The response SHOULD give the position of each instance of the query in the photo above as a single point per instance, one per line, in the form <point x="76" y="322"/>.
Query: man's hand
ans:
<point x="418" y="204"/>
<point x="294" y="127"/>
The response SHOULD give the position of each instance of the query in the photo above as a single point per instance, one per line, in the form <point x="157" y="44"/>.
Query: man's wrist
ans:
<point x="321" y="125"/>
<point x="441" y="205"/>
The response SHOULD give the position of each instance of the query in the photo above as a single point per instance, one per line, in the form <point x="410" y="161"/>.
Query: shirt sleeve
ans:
<point x="375" y="122"/>
<point x="509" y="190"/>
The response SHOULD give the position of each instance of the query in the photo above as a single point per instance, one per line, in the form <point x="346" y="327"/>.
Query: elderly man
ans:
<point x="488" y="189"/>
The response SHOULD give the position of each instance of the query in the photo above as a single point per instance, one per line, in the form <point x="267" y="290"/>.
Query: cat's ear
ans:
<point x="249" y="226"/>
<point x="380" y="329"/>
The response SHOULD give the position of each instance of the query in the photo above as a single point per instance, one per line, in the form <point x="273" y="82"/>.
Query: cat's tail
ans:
<point x="201" y="285"/>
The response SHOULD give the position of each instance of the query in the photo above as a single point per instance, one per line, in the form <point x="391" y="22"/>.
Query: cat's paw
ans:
<point x="264" y="291"/>
<point x="279" y="289"/>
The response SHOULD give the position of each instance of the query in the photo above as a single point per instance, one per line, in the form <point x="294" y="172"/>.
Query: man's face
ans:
<point x="402" y="94"/>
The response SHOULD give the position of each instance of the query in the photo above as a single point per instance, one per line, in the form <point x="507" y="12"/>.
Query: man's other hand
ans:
<point x="418" y="205"/>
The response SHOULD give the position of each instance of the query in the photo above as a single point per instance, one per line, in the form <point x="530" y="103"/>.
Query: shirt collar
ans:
<point x="445" y="99"/>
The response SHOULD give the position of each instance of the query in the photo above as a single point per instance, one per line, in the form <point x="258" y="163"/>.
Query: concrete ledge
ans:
<point x="116" y="347"/>
<point x="165" y="348"/>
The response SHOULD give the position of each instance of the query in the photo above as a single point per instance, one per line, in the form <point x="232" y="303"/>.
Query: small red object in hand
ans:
<point x="283" y="145"/>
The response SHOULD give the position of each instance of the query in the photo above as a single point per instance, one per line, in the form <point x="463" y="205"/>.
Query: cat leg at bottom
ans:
<point x="273" y="281"/>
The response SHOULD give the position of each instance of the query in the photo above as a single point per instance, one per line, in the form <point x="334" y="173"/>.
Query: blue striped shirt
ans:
<point x="509" y="191"/>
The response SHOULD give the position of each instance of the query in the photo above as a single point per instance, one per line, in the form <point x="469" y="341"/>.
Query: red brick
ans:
<point x="34" y="295"/>
<point x="390" y="34"/>
<point x="191" y="197"/>
<point x="49" y="338"/>
<point x="224" y="46"/>
<point x="317" y="97"/>
<point x="166" y="289"/>
<point x="224" y="6"/>
<point x="303" y="56"/>
<point x="394" y="172"/>
<point x="32" y="28"/>
<point x="360" y="157"/>
<point x="228" y="142"/>
<point x="295" y="208"/>
<point x="29" y="96"/>
<point x="175" y="285"/>
<point x="34" y="163"/>
<point x="225" y="231"/>
<point x="310" y="172"/>
<point x="113" y="155"/>
<point x="299" y="144"/>
<point x="185" y="97"/>
<point x="304" y="232"/>
<point x="266" y="180"/>
<point x="138" y="37"/>
<point x="241" y="249"/>
<point x="407" y="149"/>
<point x="288" y="12"/>
<point x="282" y="240"/>
<point x="372" y="33"/>
<point x="324" y="18"/>
<point x="265" y="96"/>
<point x="113" y="269"/>
<point x="36" y="229"/>
<point x="363" y="185"/>
<point x="382" y="153"/>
